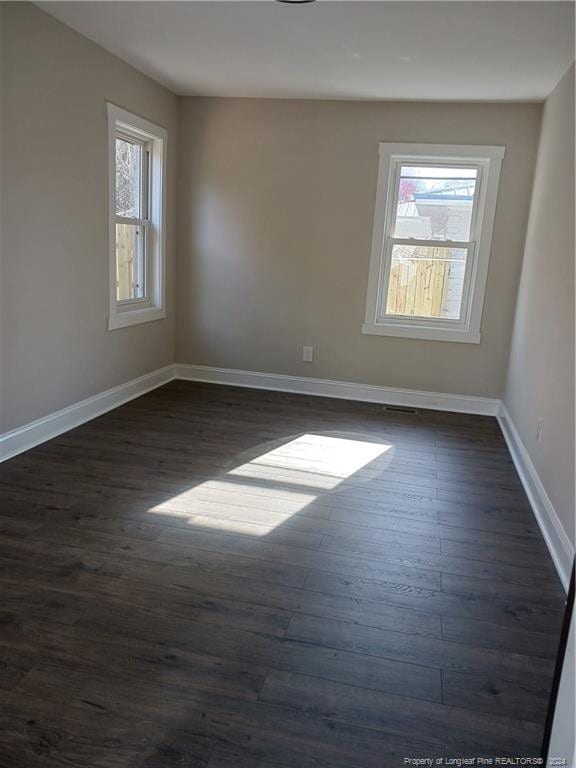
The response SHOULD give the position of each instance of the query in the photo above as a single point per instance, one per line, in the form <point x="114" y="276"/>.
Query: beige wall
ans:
<point x="54" y="294"/>
<point x="275" y="203"/>
<point x="275" y="209"/>
<point x="541" y="372"/>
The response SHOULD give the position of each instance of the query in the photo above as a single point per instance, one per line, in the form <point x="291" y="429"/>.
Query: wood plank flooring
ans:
<point x="183" y="585"/>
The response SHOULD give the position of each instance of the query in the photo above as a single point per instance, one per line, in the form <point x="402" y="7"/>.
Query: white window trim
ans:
<point x="467" y="328"/>
<point x="125" y="313"/>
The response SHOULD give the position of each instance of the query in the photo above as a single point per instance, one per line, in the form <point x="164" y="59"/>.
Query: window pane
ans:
<point x="130" y="282"/>
<point x="435" y="203"/>
<point x="426" y="281"/>
<point x="128" y="166"/>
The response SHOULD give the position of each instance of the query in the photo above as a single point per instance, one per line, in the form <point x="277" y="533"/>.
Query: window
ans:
<point x="431" y="241"/>
<point x="136" y="152"/>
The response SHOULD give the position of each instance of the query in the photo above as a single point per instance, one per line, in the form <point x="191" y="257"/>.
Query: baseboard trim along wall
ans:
<point x="559" y="545"/>
<point x="344" y="390"/>
<point x="36" y="432"/>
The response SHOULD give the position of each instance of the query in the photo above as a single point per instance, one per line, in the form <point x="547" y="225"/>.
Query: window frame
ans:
<point x="153" y="140"/>
<point x="487" y="160"/>
<point x="142" y="221"/>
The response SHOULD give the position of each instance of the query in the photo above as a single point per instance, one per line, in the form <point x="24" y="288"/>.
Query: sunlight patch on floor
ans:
<point x="272" y="482"/>
<point x="315" y="460"/>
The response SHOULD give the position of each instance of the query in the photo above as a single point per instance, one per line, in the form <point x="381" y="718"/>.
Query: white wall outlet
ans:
<point x="307" y="354"/>
<point x="539" y="428"/>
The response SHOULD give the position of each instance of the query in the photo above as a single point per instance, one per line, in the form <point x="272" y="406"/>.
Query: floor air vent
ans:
<point x="400" y="409"/>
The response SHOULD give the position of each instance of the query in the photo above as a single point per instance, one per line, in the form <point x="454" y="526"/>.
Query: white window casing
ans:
<point x="149" y="224"/>
<point x="471" y="286"/>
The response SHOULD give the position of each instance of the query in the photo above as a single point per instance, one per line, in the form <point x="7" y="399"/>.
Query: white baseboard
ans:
<point x="36" y="432"/>
<point x="559" y="545"/>
<point x="340" y="389"/>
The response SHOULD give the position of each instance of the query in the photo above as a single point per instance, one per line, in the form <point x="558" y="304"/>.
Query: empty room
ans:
<point x="287" y="384"/>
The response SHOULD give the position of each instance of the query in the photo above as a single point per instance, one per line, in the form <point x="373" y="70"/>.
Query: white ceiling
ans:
<point x="341" y="50"/>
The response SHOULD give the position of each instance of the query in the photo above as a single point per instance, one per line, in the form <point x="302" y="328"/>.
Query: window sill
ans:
<point x="135" y="317"/>
<point x="422" y="332"/>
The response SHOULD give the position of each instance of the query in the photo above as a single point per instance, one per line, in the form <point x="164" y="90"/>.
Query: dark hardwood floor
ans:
<point x="213" y="577"/>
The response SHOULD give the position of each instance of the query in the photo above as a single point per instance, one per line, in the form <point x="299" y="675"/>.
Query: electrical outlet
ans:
<point x="539" y="428"/>
<point x="307" y="354"/>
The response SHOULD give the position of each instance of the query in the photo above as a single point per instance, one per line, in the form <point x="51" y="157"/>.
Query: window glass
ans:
<point x="426" y="281"/>
<point x="129" y="262"/>
<point x="435" y="203"/>
<point x="128" y="182"/>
